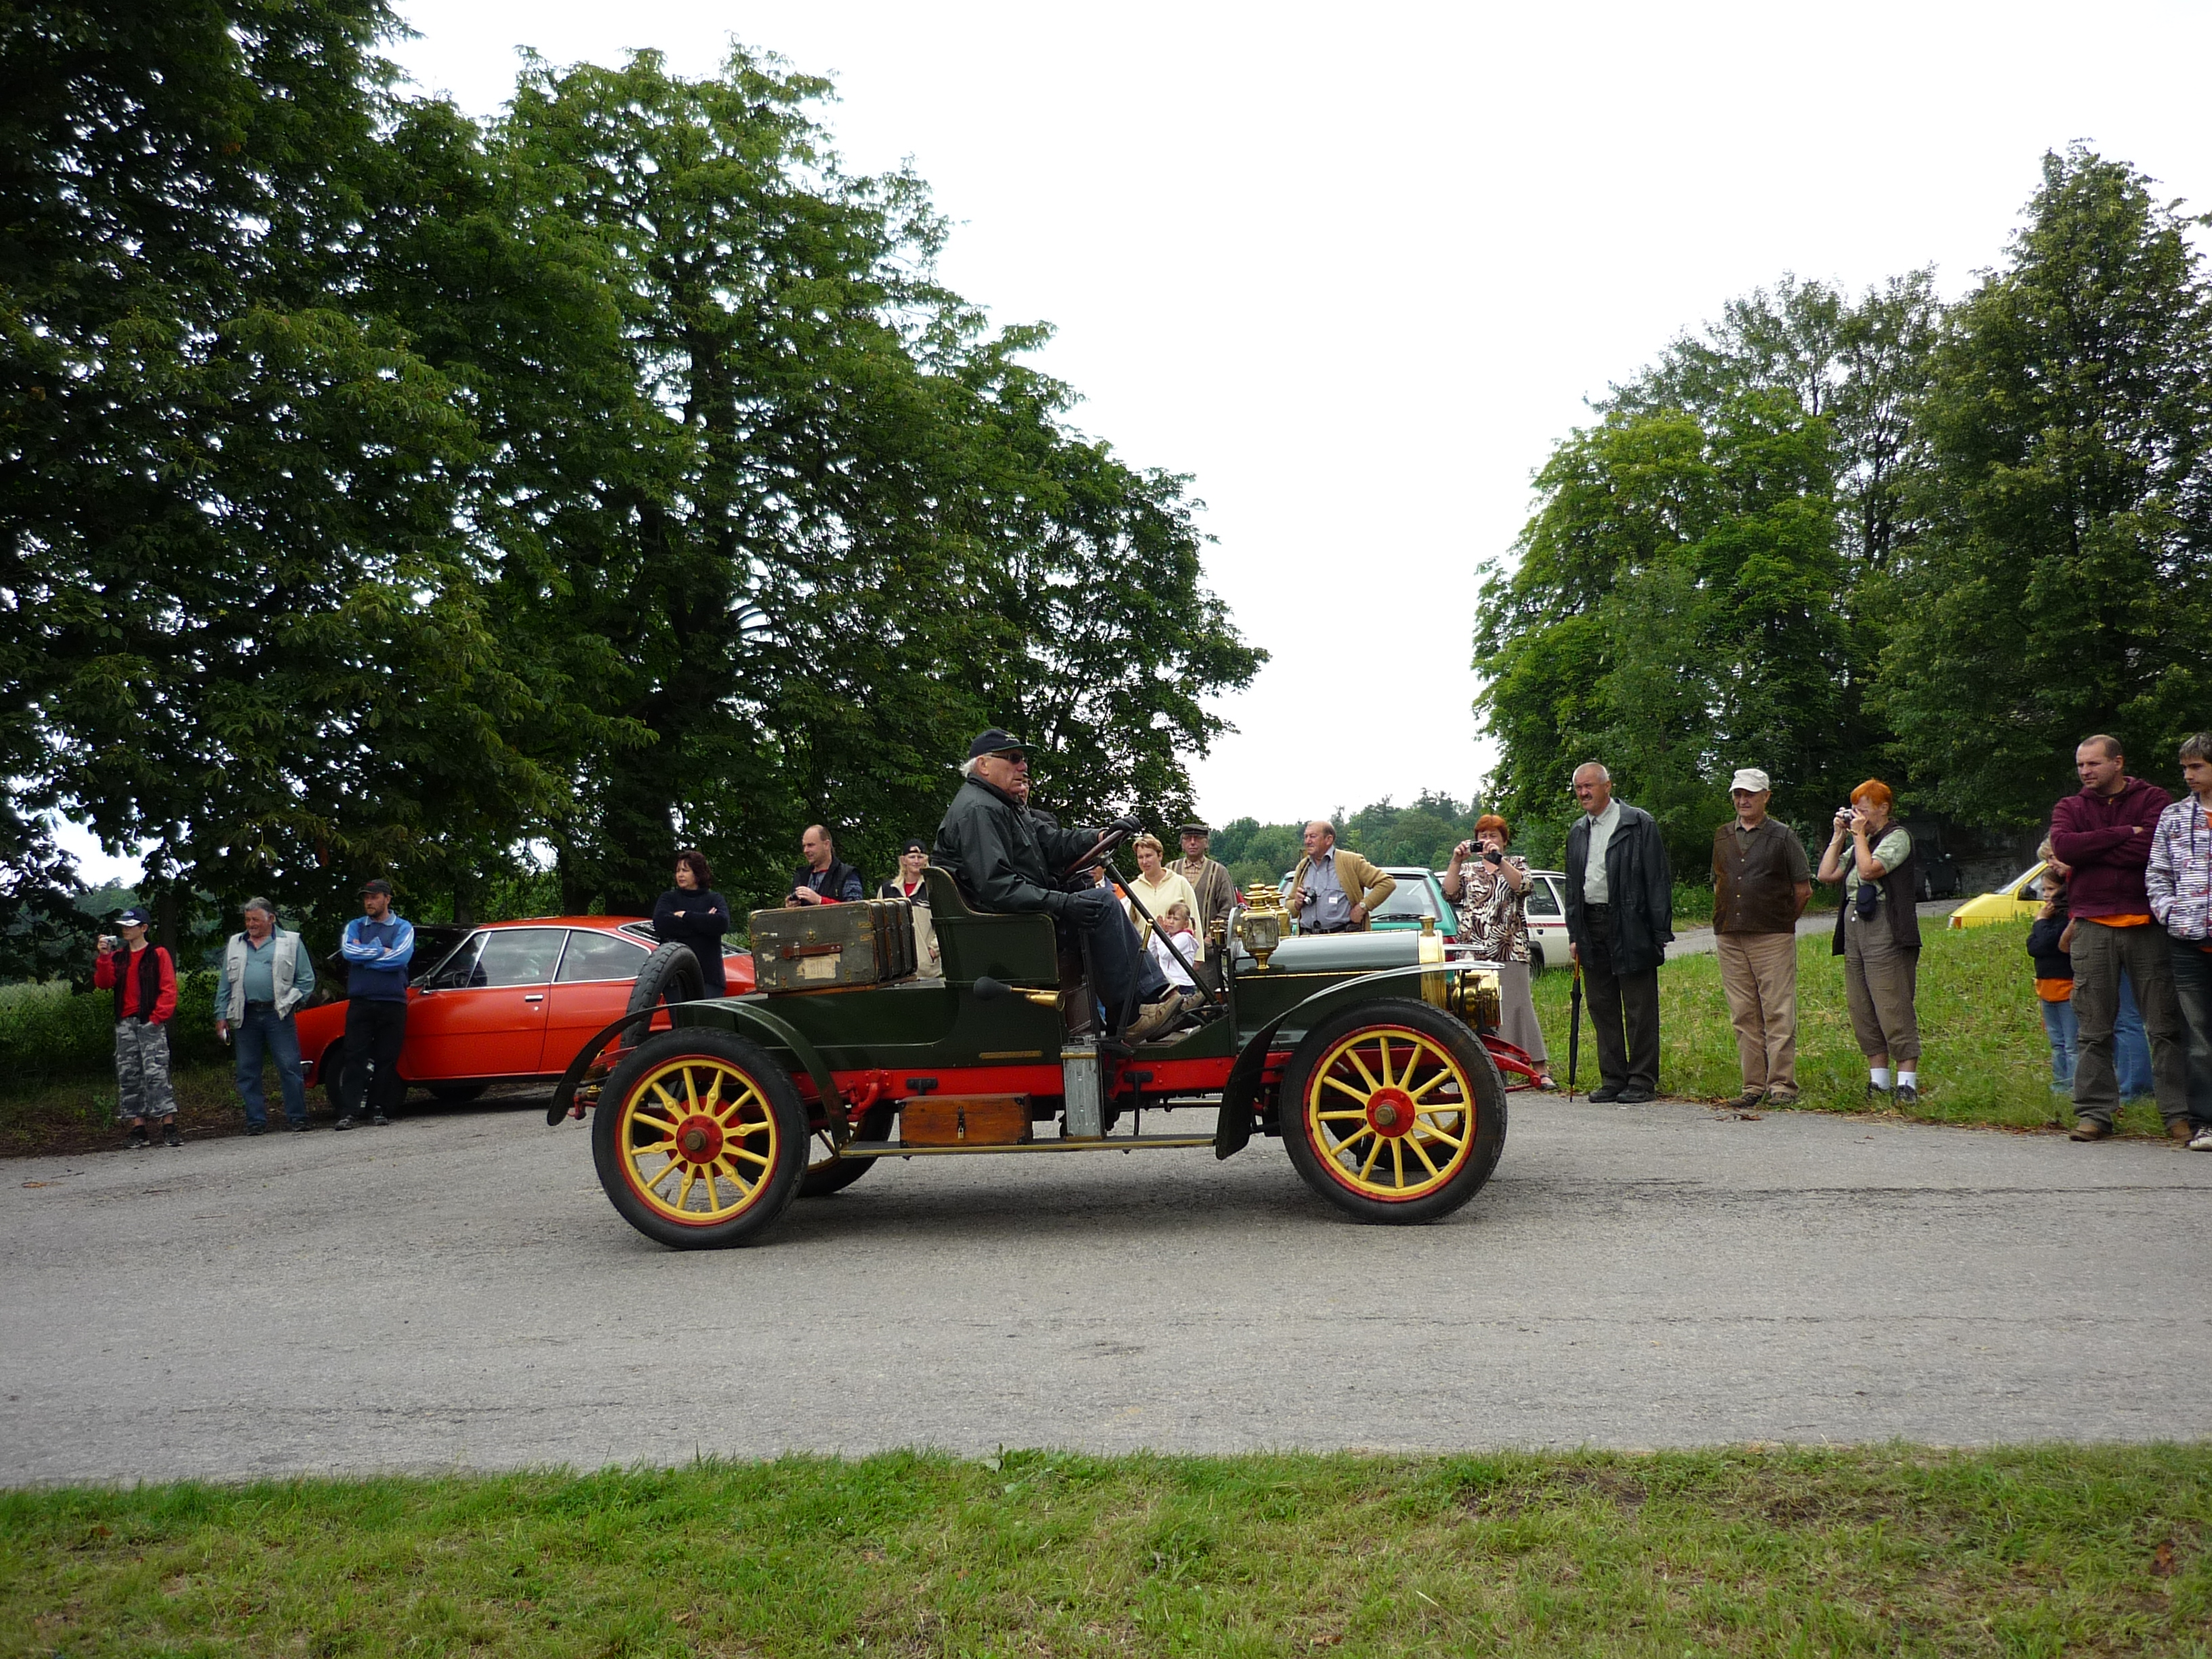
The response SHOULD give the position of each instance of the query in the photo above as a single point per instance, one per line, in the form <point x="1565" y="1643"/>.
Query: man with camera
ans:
<point x="1761" y="882"/>
<point x="1621" y="919"/>
<point x="1336" y="889"/>
<point x="1007" y="859"/>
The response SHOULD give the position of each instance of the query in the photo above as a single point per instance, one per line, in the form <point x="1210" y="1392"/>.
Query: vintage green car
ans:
<point x="1364" y="1053"/>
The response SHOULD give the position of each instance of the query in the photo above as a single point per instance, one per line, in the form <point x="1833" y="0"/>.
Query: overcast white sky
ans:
<point x="1356" y="268"/>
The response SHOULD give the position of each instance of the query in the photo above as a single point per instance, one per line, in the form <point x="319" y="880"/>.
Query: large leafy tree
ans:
<point x="2063" y="585"/>
<point x="1706" y="578"/>
<point x="244" y="625"/>
<point x="834" y="527"/>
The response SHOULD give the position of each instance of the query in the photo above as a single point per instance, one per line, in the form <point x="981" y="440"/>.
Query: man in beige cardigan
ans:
<point x="1335" y="890"/>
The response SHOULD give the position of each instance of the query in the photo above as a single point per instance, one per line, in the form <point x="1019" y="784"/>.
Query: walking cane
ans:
<point x="1574" y="1028"/>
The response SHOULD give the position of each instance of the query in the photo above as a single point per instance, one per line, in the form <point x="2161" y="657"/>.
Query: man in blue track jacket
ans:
<point x="377" y="946"/>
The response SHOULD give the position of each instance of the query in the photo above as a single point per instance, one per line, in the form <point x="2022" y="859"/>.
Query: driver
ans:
<point x="1008" y="859"/>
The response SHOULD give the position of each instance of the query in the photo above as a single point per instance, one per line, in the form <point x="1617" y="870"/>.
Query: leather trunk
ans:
<point x="826" y="947"/>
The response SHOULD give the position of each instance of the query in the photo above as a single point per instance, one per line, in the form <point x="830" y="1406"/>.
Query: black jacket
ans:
<point x="841" y="882"/>
<point x="2050" y="962"/>
<point x="1640" y="891"/>
<point x="706" y="918"/>
<point x="1900" y="894"/>
<point x="1004" y="857"/>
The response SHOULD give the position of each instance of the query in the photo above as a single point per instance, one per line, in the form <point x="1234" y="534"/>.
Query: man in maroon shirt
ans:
<point x="2104" y="834"/>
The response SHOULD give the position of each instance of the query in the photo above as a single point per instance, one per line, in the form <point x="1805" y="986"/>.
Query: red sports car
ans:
<point x="511" y="1002"/>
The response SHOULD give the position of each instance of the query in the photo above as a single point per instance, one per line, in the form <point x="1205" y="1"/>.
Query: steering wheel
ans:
<point x="1100" y="850"/>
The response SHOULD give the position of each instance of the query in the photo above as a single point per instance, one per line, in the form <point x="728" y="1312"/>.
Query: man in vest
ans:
<point x="1761" y="882"/>
<point x="266" y="978"/>
<point x="1216" y="893"/>
<point x="377" y="946"/>
<point x="144" y="981"/>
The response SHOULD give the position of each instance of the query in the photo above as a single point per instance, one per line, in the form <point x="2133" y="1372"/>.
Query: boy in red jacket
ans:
<point x="2104" y="833"/>
<point x="144" y="983"/>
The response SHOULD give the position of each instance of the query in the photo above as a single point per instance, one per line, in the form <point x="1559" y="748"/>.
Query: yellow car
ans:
<point x="2018" y="900"/>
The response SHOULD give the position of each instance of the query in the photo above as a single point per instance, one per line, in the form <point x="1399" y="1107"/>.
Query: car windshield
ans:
<point x="1412" y="898"/>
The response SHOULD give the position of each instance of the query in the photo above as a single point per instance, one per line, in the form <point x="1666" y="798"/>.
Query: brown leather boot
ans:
<point x="2089" y="1129"/>
<point x="2177" y="1128"/>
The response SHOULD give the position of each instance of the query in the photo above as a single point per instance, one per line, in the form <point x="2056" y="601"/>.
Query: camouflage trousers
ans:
<point x="142" y="1071"/>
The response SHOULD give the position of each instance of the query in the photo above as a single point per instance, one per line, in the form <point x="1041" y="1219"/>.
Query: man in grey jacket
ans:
<point x="1621" y="905"/>
<point x="266" y="978"/>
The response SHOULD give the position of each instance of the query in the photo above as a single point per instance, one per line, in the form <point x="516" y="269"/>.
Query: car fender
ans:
<point x="751" y="1019"/>
<point x="1233" y="1129"/>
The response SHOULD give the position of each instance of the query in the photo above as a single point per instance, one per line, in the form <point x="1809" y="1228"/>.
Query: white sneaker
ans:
<point x="2202" y="1142"/>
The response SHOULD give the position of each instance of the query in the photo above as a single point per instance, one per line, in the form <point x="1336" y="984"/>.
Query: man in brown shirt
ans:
<point x="1760" y="884"/>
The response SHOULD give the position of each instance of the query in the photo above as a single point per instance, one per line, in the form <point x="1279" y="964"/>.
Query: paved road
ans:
<point x="1698" y="941"/>
<point x="456" y="1292"/>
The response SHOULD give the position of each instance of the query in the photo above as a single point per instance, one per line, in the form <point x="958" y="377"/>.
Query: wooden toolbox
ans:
<point x="965" y="1121"/>
<point x="822" y="947"/>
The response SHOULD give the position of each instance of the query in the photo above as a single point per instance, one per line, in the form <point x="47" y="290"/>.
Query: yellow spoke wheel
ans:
<point x="1393" y="1112"/>
<point x="700" y="1138"/>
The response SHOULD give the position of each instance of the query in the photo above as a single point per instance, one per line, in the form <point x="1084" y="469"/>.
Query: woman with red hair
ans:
<point x="1878" y="937"/>
<point x="1492" y="896"/>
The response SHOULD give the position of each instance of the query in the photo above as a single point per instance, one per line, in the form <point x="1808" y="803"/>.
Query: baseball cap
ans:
<point x="376" y="884"/>
<point x="995" y="741"/>
<point x="914" y="844"/>
<point x="136" y="916"/>
<point x="1751" y="778"/>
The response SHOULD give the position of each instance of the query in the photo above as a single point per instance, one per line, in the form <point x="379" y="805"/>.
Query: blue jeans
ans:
<point x="2131" y="1046"/>
<point x="2192" y="985"/>
<point x="262" y="1030"/>
<point x="2064" y="1032"/>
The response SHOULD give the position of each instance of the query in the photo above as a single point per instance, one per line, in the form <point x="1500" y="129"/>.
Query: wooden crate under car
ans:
<point x="965" y="1121"/>
<point x="823" y="947"/>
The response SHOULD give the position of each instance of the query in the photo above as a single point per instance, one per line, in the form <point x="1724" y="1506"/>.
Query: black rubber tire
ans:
<point x="1536" y="968"/>
<point x="1485" y="1100"/>
<point x="785" y="1117"/>
<point x="670" y="974"/>
<point x="329" y="1071"/>
<point x="456" y="1094"/>
<point x="828" y="1175"/>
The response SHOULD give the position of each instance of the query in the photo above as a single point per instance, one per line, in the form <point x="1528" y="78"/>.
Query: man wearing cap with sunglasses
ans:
<point x="144" y="981"/>
<point x="1008" y="859"/>
<point x="377" y="946"/>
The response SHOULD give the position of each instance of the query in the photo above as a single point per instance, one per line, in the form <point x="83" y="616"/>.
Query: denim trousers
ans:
<point x="2131" y="1046"/>
<point x="2065" y="1033"/>
<point x="264" y="1031"/>
<point x="2192" y="984"/>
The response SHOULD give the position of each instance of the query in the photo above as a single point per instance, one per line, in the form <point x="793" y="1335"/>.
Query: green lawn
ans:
<point x="1883" y="1550"/>
<point x="1985" y="1058"/>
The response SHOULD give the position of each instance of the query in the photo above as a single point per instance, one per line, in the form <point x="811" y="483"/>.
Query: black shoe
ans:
<point x="1874" y="1090"/>
<point x="257" y="1128"/>
<point x="1604" y="1095"/>
<point x="137" y="1141"/>
<point x="1906" y="1095"/>
<point x="1635" y="1095"/>
<point x="344" y="1122"/>
<point x="378" y="1119"/>
<point x="299" y="1129"/>
<point x="169" y="1135"/>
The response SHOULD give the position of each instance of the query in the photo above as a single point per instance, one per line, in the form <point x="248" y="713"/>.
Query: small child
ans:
<point x="2054" y="981"/>
<point x="1174" y="927"/>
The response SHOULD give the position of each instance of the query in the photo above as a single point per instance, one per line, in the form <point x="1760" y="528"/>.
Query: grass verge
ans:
<point x="1881" y="1550"/>
<point x="1985" y="1060"/>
